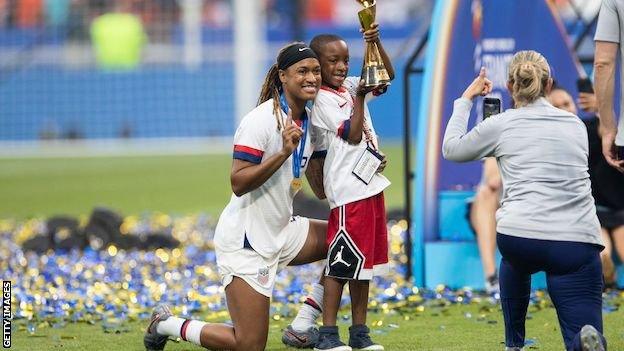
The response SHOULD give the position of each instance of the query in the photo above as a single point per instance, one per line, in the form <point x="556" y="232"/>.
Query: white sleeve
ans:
<point x="351" y="83"/>
<point x="319" y="142"/>
<point x="460" y="145"/>
<point x="251" y="138"/>
<point x="608" y="27"/>
<point x="327" y="114"/>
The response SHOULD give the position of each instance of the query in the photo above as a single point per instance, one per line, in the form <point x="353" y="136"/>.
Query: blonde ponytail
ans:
<point x="528" y="76"/>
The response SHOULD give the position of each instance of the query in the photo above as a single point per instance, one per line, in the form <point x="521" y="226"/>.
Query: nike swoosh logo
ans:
<point x="343" y="105"/>
<point x="302" y="340"/>
<point x="301" y="49"/>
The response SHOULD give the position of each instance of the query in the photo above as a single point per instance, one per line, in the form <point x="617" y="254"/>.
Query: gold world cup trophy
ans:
<point x="374" y="71"/>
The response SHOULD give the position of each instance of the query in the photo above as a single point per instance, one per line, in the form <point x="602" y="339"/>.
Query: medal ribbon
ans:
<point x="368" y="135"/>
<point x="298" y="153"/>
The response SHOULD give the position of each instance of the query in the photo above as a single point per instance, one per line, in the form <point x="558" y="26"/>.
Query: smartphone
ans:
<point x="619" y="153"/>
<point x="584" y="85"/>
<point x="491" y="106"/>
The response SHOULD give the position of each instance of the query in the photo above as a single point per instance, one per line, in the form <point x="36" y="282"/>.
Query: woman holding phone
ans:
<point x="547" y="220"/>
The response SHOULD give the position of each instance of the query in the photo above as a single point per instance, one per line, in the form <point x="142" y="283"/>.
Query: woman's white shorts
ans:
<point x="258" y="271"/>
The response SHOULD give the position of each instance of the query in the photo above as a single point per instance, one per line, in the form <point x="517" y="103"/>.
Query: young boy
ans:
<point x="356" y="235"/>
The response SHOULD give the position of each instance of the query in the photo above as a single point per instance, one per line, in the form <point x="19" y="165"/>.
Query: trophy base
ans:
<point x="375" y="76"/>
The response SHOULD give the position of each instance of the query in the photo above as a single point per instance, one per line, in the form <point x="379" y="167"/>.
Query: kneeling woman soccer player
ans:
<point x="547" y="219"/>
<point x="257" y="233"/>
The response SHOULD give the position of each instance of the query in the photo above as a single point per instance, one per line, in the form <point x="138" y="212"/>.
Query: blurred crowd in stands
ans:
<point x="159" y="16"/>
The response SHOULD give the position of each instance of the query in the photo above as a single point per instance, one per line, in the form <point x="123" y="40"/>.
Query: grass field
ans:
<point x="171" y="184"/>
<point x="454" y="328"/>
<point x="190" y="184"/>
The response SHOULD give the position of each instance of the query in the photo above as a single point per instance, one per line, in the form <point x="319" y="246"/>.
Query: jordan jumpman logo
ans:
<point x="338" y="258"/>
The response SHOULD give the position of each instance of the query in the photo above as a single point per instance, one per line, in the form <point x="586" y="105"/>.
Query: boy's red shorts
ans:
<point x="357" y="237"/>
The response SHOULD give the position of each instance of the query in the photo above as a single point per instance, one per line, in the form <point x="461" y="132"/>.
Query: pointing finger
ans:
<point x="289" y="120"/>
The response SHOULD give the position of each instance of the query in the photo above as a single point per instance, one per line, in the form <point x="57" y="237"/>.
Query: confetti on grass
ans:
<point x="112" y="287"/>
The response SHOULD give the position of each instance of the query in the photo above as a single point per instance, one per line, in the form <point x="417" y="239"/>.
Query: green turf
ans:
<point x="433" y="329"/>
<point x="132" y="185"/>
<point x="187" y="184"/>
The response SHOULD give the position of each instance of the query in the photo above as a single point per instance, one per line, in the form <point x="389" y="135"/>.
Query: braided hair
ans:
<point x="271" y="89"/>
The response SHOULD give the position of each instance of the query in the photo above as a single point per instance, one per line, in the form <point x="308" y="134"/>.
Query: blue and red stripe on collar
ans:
<point x="248" y="154"/>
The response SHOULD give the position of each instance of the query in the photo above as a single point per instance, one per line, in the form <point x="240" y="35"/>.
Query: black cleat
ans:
<point x="152" y="340"/>
<point x="301" y="340"/>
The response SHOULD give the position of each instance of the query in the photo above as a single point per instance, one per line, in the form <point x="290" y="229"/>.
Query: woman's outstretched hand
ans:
<point x="480" y="86"/>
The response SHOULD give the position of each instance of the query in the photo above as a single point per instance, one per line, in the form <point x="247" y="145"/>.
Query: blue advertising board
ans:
<point x="465" y="36"/>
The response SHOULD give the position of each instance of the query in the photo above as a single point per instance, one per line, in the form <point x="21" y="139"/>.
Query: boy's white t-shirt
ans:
<point x="331" y="115"/>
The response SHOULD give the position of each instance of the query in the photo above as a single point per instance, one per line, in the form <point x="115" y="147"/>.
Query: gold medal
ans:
<point x="295" y="184"/>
